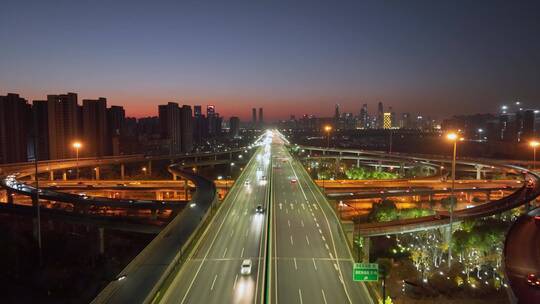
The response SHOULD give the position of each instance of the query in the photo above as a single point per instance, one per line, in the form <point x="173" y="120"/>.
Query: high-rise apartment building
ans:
<point x="63" y="115"/>
<point x="387" y="120"/>
<point x="14" y="128"/>
<point x="261" y="117"/>
<point x="116" y="120"/>
<point x="41" y="122"/>
<point x="380" y="116"/>
<point x="95" y="133"/>
<point x="170" y="126"/>
<point x="234" y="126"/>
<point x="254" y="117"/>
<point x="186" y="127"/>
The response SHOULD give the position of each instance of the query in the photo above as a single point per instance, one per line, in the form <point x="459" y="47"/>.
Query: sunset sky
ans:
<point x="290" y="57"/>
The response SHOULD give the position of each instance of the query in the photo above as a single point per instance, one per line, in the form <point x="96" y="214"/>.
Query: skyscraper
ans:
<point x="336" y="113"/>
<point x="95" y="133"/>
<point x="234" y="126"/>
<point x="253" y="117"/>
<point x="41" y="121"/>
<point x="387" y="120"/>
<point x="212" y="120"/>
<point x="380" y="115"/>
<point x="363" y="119"/>
<point x="170" y="126"/>
<point x="200" y="128"/>
<point x="63" y="121"/>
<point x="14" y="128"/>
<point x="186" y="122"/>
<point x="261" y="118"/>
<point x="116" y="117"/>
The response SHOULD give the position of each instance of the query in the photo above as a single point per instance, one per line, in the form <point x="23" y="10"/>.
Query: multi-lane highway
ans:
<point x="311" y="262"/>
<point x="303" y="259"/>
<point x="212" y="273"/>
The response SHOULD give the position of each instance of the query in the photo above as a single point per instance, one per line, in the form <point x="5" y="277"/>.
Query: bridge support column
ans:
<point x="150" y="167"/>
<point x="488" y="195"/>
<point x="358" y="161"/>
<point x="366" y="242"/>
<point x="51" y="175"/>
<point x="101" y="240"/>
<point x="174" y="177"/>
<point x="185" y="189"/>
<point x="9" y="195"/>
<point x="154" y="214"/>
<point x="122" y="171"/>
<point x="64" y="176"/>
<point x="96" y="170"/>
<point x="478" y="172"/>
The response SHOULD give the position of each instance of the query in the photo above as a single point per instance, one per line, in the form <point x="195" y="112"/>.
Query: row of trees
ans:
<point x="363" y="173"/>
<point x="387" y="211"/>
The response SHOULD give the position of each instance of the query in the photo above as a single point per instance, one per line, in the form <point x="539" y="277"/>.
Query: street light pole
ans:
<point x="77" y="145"/>
<point x="453" y="137"/>
<point x="534" y="144"/>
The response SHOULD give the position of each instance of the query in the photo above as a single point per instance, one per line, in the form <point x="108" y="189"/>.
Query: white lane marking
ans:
<point x="324" y="296"/>
<point x="247" y="231"/>
<point x="331" y="256"/>
<point x="317" y="225"/>
<point x="245" y="212"/>
<point x="335" y="266"/>
<point x="315" y="206"/>
<point x="286" y="210"/>
<point x="289" y="223"/>
<point x="303" y="206"/>
<point x="242" y="253"/>
<point x="235" y="279"/>
<point x="300" y="296"/>
<point x="326" y="245"/>
<point x="232" y="232"/>
<point x="295" y="266"/>
<point x="292" y="243"/>
<point x="302" y="222"/>
<point x="213" y="282"/>
<point x="314" y="265"/>
<point x="307" y="240"/>
<point x="280" y="206"/>
<point x="320" y="231"/>
<point x="323" y="238"/>
<point x="225" y="252"/>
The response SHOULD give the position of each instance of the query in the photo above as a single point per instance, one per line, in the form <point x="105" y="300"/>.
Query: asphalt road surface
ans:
<point x="212" y="274"/>
<point x="311" y="262"/>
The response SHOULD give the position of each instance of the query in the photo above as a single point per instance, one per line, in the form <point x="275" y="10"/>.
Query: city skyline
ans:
<point x="241" y="55"/>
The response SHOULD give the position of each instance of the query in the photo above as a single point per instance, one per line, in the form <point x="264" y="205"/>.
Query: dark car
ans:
<point x="259" y="209"/>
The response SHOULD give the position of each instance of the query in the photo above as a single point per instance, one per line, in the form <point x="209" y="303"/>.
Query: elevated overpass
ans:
<point x="529" y="190"/>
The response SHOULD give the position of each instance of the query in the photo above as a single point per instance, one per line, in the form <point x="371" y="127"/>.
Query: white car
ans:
<point x="245" y="269"/>
<point x="246" y="183"/>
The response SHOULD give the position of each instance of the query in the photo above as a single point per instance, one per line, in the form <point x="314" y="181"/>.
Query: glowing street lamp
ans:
<point x="77" y="145"/>
<point x="327" y="129"/>
<point x="144" y="170"/>
<point x="453" y="137"/>
<point x="534" y="144"/>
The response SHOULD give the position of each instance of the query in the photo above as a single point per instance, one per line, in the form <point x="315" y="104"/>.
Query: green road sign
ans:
<point x="365" y="272"/>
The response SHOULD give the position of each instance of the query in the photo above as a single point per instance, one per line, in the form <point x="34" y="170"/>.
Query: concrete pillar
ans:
<point x="101" y="240"/>
<point x="488" y="195"/>
<point x="215" y="157"/>
<point x="154" y="214"/>
<point x="365" y="248"/>
<point x="358" y="161"/>
<point x="96" y="170"/>
<point x="64" y="176"/>
<point x="122" y="171"/>
<point x="478" y="172"/>
<point x="9" y="197"/>
<point x="185" y="189"/>
<point x="230" y="156"/>
<point x="150" y="167"/>
<point x="51" y="175"/>
<point x="174" y="177"/>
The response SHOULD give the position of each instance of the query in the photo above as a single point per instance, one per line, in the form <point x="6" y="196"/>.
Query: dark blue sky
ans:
<point x="291" y="57"/>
